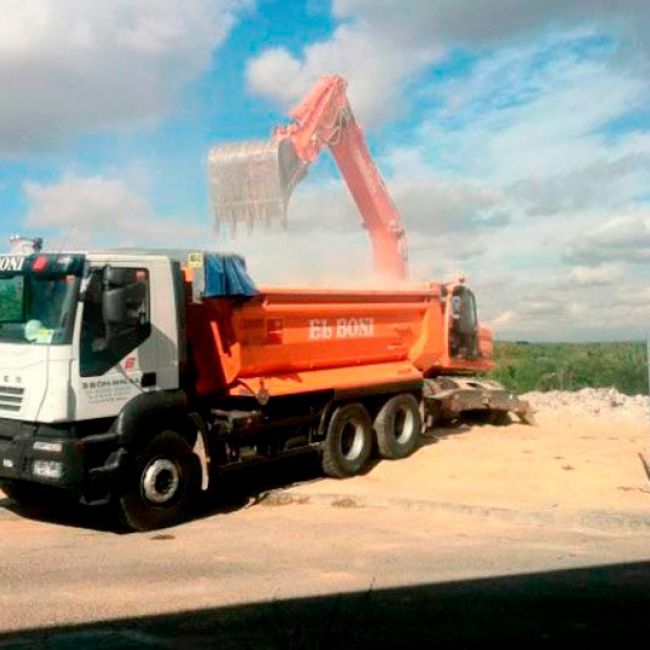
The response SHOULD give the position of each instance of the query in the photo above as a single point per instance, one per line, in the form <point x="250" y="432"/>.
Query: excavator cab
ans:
<point x="463" y="323"/>
<point x="251" y="182"/>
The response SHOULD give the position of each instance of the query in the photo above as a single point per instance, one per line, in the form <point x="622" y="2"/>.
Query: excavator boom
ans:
<point x="252" y="182"/>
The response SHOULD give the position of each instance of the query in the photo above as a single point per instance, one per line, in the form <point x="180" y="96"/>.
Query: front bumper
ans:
<point x="90" y="465"/>
<point x="24" y="444"/>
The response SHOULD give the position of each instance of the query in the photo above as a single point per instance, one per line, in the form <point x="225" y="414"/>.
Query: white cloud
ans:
<point x="607" y="182"/>
<point x="530" y="112"/>
<point x="103" y="211"/>
<point x="70" y="66"/>
<point x="435" y="206"/>
<point x="379" y="45"/>
<point x="369" y="60"/>
<point x="598" y="276"/>
<point x="623" y="239"/>
<point x="490" y="22"/>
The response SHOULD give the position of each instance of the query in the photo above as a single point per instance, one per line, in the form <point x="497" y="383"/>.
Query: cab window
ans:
<point x="105" y="340"/>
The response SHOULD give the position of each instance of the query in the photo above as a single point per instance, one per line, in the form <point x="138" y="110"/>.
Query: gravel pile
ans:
<point x="590" y="401"/>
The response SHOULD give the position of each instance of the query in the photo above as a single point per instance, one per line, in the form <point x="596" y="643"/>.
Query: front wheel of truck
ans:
<point x="161" y="485"/>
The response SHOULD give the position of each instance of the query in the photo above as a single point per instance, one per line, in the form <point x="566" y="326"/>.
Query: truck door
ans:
<point x="117" y="354"/>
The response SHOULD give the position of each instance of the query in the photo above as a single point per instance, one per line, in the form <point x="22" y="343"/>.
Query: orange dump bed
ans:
<point x="286" y="341"/>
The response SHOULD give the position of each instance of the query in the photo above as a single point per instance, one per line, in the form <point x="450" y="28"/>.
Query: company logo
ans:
<point x="11" y="263"/>
<point x="341" y="328"/>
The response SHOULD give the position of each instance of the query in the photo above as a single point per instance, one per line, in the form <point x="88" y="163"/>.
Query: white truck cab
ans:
<point x="82" y="336"/>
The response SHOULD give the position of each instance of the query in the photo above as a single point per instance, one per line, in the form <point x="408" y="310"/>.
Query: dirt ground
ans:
<point x="570" y="467"/>
<point x="557" y="513"/>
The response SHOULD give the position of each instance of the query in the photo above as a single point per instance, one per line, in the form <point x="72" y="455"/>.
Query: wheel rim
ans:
<point x="352" y="439"/>
<point x="160" y="481"/>
<point x="404" y="425"/>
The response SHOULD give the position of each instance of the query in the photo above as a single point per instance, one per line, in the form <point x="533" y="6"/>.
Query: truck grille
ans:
<point x="11" y="398"/>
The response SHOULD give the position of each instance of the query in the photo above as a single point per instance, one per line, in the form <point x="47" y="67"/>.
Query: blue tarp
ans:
<point x="225" y="275"/>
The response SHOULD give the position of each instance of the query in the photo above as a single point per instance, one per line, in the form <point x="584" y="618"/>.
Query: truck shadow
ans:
<point x="63" y="512"/>
<point x="237" y="489"/>
<point x="586" y="607"/>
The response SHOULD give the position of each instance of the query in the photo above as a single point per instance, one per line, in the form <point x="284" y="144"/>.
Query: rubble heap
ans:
<point x="590" y="401"/>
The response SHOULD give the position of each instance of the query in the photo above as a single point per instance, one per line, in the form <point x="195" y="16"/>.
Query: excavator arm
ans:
<point x="253" y="182"/>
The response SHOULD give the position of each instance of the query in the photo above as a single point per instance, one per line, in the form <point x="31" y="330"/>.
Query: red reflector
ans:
<point x="40" y="264"/>
<point x="274" y="331"/>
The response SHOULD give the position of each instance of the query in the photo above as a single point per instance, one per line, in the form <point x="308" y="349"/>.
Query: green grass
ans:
<point x="523" y="367"/>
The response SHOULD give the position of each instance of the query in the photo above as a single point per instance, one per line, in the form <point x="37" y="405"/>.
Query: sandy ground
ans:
<point x="565" y="466"/>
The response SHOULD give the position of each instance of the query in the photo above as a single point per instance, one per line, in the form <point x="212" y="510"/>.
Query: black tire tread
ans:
<point x="134" y="514"/>
<point x="333" y="465"/>
<point x="387" y="444"/>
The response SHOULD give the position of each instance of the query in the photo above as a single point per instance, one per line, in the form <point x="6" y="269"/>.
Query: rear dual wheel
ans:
<point x="348" y="443"/>
<point x="349" y="439"/>
<point x="398" y="426"/>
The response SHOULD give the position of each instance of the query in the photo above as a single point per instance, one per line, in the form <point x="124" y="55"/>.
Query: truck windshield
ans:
<point x="38" y="298"/>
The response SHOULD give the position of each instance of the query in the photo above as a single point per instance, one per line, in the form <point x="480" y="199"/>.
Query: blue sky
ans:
<point x="514" y="136"/>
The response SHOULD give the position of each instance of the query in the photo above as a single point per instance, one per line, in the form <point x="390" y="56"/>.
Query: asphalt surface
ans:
<point x="320" y="564"/>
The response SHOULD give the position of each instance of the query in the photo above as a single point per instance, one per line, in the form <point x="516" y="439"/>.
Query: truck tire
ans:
<point x="398" y="427"/>
<point x="348" y="442"/>
<point x="162" y="484"/>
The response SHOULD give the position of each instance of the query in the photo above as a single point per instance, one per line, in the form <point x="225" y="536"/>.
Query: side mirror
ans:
<point x="114" y="306"/>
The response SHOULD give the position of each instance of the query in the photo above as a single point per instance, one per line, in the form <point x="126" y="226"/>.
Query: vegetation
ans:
<point x="523" y="367"/>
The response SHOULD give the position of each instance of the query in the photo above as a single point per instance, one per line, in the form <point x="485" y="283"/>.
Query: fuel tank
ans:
<point x="289" y="340"/>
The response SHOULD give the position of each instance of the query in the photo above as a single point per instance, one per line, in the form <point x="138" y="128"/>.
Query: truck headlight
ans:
<point x="52" y="447"/>
<point x="51" y="469"/>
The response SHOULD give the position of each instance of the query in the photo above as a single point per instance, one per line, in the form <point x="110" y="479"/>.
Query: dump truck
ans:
<point x="113" y="366"/>
<point x="135" y="378"/>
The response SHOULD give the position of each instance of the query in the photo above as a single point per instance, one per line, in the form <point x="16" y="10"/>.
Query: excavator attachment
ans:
<point x="447" y="398"/>
<point x="251" y="182"/>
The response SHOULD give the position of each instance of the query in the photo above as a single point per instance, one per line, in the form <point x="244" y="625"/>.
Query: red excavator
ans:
<point x="252" y="182"/>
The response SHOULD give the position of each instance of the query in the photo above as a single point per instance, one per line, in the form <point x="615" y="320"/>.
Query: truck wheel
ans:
<point x="398" y="426"/>
<point x="348" y="442"/>
<point x="162" y="484"/>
